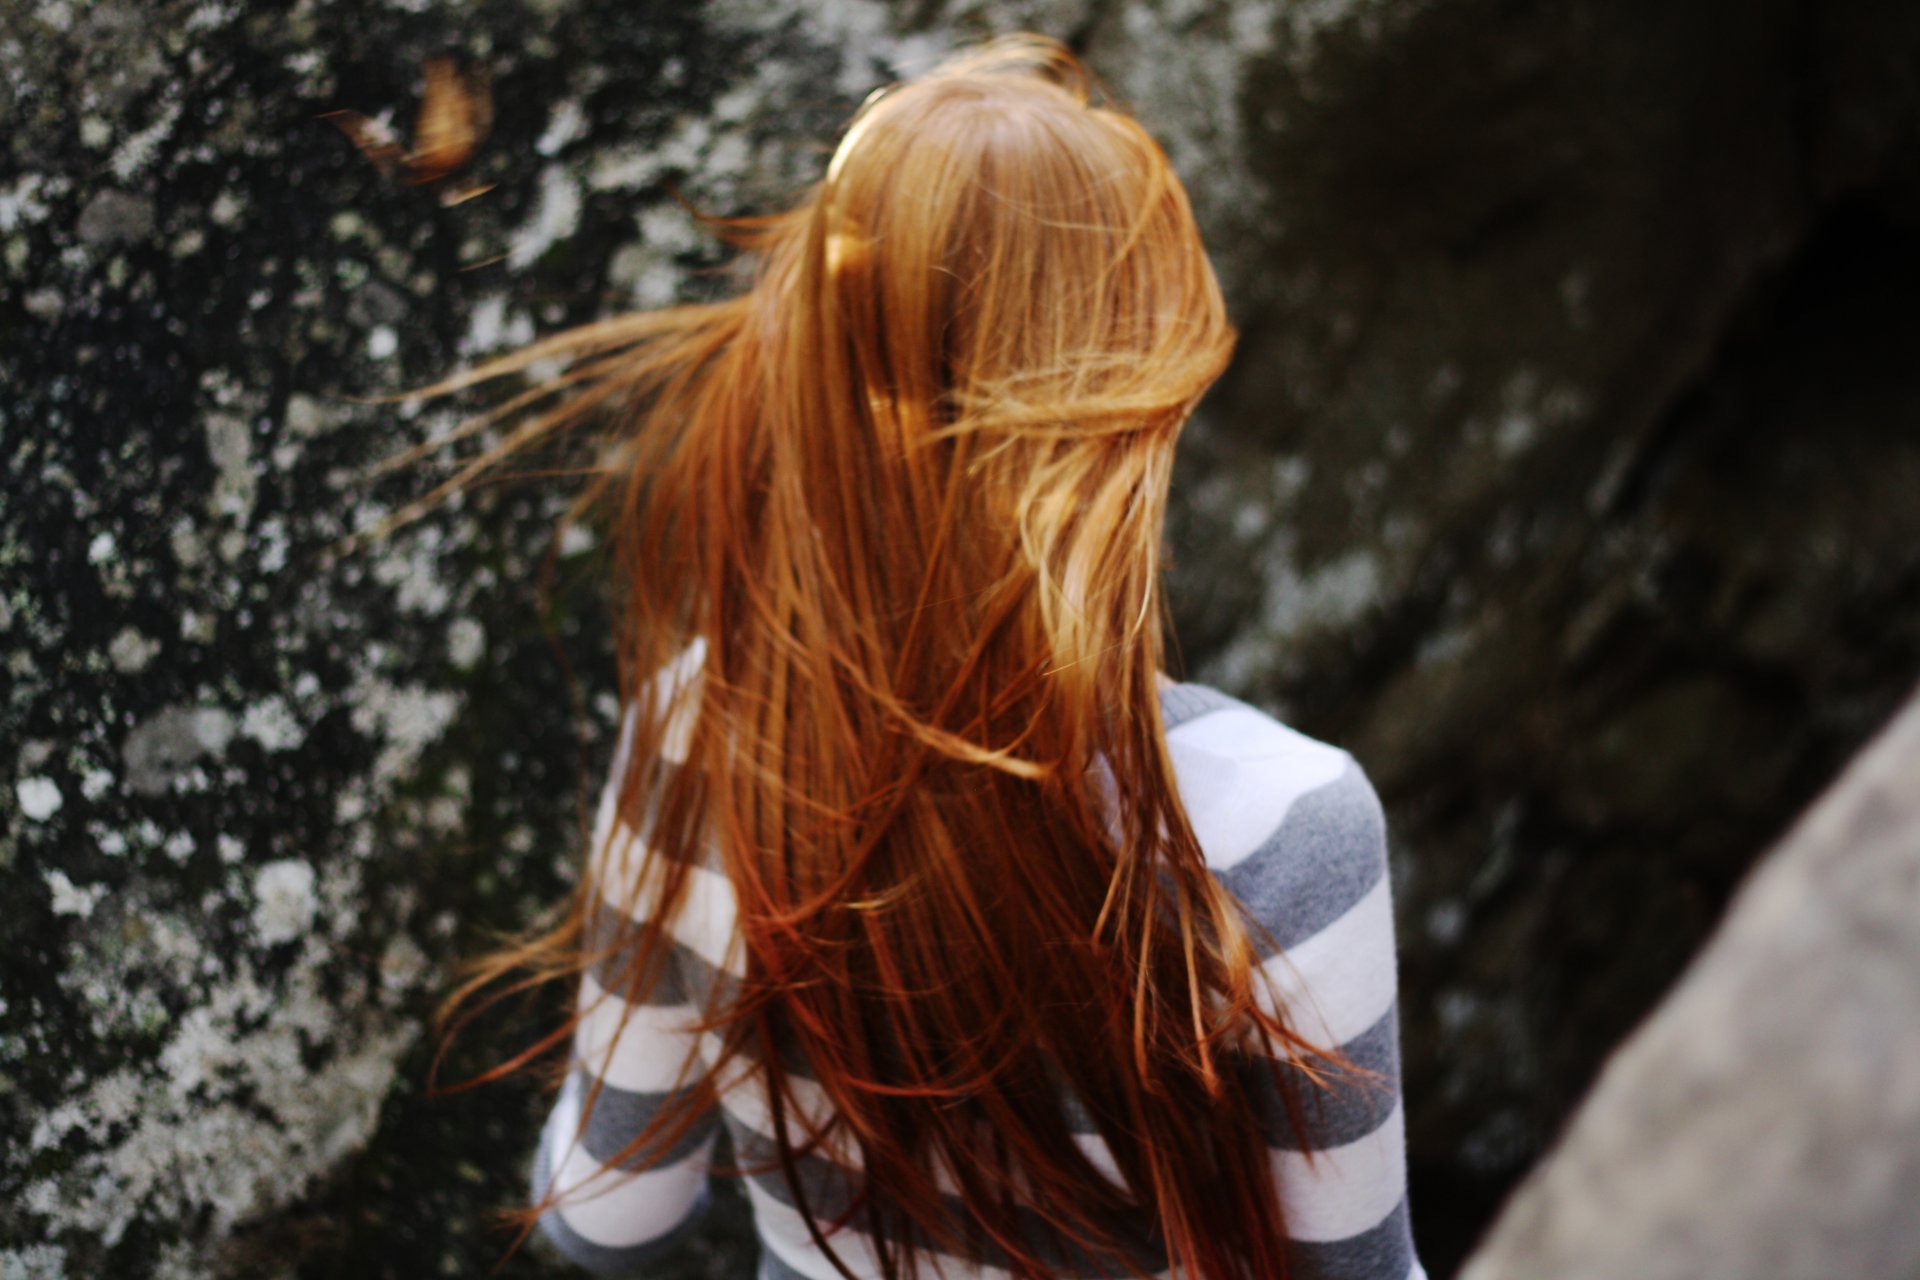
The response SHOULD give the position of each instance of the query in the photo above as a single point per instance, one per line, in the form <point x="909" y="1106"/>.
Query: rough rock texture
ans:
<point x="1571" y="449"/>
<point x="1574" y="437"/>
<point x="1765" y="1123"/>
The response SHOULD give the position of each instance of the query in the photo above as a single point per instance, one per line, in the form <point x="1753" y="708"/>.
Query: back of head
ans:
<point x="1003" y="302"/>
<point x="988" y="234"/>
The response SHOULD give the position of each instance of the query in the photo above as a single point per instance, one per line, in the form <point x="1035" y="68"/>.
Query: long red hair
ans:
<point x="906" y="492"/>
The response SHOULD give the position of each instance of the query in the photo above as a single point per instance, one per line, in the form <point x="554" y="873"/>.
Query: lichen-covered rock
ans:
<point x="259" y="794"/>
<point x="1568" y="448"/>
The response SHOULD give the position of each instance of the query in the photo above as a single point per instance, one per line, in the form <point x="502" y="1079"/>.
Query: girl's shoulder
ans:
<point x="1287" y="821"/>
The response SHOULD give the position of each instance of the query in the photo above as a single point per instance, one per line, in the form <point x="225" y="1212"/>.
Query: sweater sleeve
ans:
<point x="1293" y="829"/>
<point x="616" y="1217"/>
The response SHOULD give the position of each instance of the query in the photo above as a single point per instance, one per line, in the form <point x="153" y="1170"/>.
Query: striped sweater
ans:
<point x="1289" y="825"/>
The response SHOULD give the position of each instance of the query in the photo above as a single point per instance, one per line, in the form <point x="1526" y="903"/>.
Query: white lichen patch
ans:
<point x="34" y="1262"/>
<point x="556" y="217"/>
<point x="647" y="270"/>
<point x="164" y="746"/>
<point x="188" y="547"/>
<point x="308" y="416"/>
<point x="273" y="724"/>
<point x="136" y="152"/>
<point x="230" y="447"/>
<point x="466" y="641"/>
<point x="39" y="798"/>
<point x="565" y="125"/>
<point x="44" y="304"/>
<point x="406" y="718"/>
<point x="490" y="327"/>
<point x="1334" y="596"/>
<point x="231" y="1117"/>
<point x="402" y="964"/>
<point x="1514" y="433"/>
<point x="284" y="901"/>
<point x="412" y="569"/>
<point x="226" y="208"/>
<point x="130" y="651"/>
<point x="1528" y="410"/>
<point x="112" y="218"/>
<point x="227" y="1157"/>
<point x="21" y="203"/>
<point x="648" y="277"/>
<point x="70" y="899"/>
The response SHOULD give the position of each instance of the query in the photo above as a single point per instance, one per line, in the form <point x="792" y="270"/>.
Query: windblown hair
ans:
<point x="906" y="492"/>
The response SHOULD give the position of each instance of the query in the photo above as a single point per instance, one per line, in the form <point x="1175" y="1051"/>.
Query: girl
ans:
<point x="991" y="950"/>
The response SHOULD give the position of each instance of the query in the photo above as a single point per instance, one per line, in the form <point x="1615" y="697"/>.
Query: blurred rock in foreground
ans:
<point x="1765" y="1123"/>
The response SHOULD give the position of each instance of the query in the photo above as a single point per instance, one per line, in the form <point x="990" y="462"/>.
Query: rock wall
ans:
<point x="1570" y="442"/>
<point x="1573" y="435"/>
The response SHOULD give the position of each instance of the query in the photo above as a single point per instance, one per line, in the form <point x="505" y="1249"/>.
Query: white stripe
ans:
<point x="705" y="921"/>
<point x="743" y="1094"/>
<point x="1340" y="981"/>
<point x="1100" y="1156"/>
<point x="612" y="1207"/>
<point x="639" y="1048"/>
<point x="784" y="1231"/>
<point x="1239" y="773"/>
<point x="1348" y="1190"/>
<point x="688" y="670"/>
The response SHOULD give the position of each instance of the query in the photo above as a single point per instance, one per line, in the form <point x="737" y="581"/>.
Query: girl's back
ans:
<point x="1289" y="825"/>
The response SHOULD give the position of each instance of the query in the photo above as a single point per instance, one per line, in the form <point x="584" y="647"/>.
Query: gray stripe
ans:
<point x="774" y="1267"/>
<point x="830" y="1188"/>
<point x="618" y="1116"/>
<point x="613" y="943"/>
<point x="658" y="781"/>
<point x="828" y="1185"/>
<point x="1350" y="1109"/>
<point x="1184" y="702"/>
<point x="1384" y="1253"/>
<point x="603" y="1259"/>
<point x="1326" y="855"/>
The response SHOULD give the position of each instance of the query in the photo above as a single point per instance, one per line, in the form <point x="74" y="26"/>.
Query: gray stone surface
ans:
<point x="1765" y="1123"/>
<point x="1565" y="476"/>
